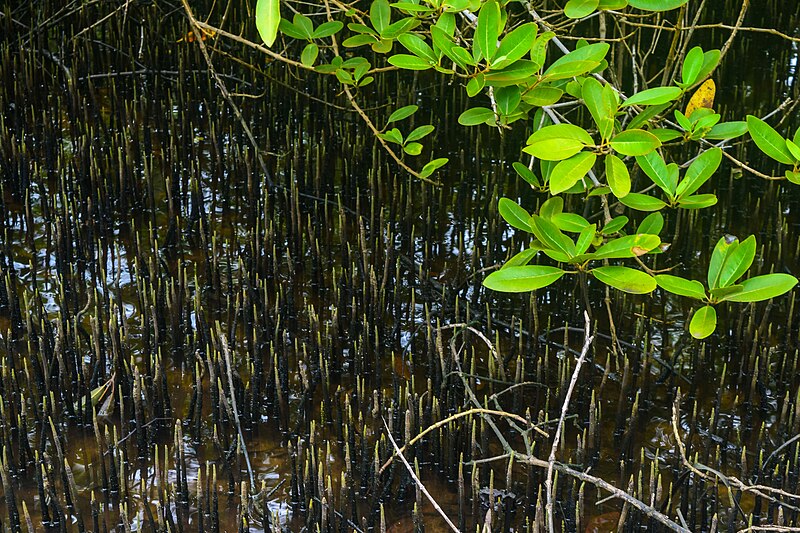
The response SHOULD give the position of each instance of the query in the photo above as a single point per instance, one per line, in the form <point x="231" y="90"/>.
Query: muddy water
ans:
<point x="148" y="258"/>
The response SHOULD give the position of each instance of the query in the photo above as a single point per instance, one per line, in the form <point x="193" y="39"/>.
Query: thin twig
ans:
<point x="564" y="408"/>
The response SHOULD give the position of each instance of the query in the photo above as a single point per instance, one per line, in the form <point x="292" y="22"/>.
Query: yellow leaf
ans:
<point x="702" y="97"/>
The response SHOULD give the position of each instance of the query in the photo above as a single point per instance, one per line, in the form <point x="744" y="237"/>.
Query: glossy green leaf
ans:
<point x="601" y="105"/>
<point x="656" y="5"/>
<point x="625" y="279"/>
<point x="567" y="172"/>
<point x="326" y="29"/>
<point x="542" y="95"/>
<point x="617" y="175"/>
<point x="309" y="54"/>
<point x="768" y="140"/>
<point x="718" y="256"/>
<point x="576" y="9"/>
<point x="683" y="121"/>
<point x="551" y="207"/>
<point x="539" y="50"/>
<point x="642" y="202"/>
<point x="417" y="46"/>
<point x="507" y="99"/>
<point x="628" y="246"/>
<point x="551" y="236"/>
<point x="475" y="84"/>
<point x="699" y="172"/>
<point x="763" y="287"/>
<point x="432" y="166"/>
<point x="291" y="30"/>
<point x="412" y="148"/>
<point x="737" y="261"/>
<point x="652" y="224"/>
<point x="710" y="62"/>
<point x="649" y="113"/>
<point x="402" y="113"/>
<point x="697" y="201"/>
<point x="409" y="62"/>
<point x="526" y="174"/>
<point x="380" y="15"/>
<point x="704" y="322"/>
<point x="396" y="29"/>
<point x="577" y="62"/>
<point x="522" y="258"/>
<point x="515" y="45"/>
<point x="487" y="31"/>
<point x="635" y="142"/>
<point x="727" y="130"/>
<point x="571" y="222"/>
<point x="614" y="225"/>
<point x="655" y="96"/>
<point x="794" y="149"/>
<point x="666" y="135"/>
<point x="268" y="18"/>
<point x="557" y="142"/>
<point x="420" y="132"/>
<point x="513" y="213"/>
<point x="655" y="168"/>
<point x="692" y="65"/>
<point x="518" y="72"/>
<point x="475" y="116"/>
<point x="680" y="286"/>
<point x="613" y="4"/>
<point x="585" y="238"/>
<point x="522" y="278"/>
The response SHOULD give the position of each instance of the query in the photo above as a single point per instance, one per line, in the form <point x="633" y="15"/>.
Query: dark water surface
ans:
<point x="147" y="258"/>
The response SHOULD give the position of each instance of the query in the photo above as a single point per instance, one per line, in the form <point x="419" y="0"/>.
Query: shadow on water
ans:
<point x="160" y="294"/>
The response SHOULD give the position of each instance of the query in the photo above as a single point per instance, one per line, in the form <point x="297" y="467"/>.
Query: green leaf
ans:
<point x="522" y="258"/>
<point x="666" y="135"/>
<point x="486" y="33"/>
<point x="420" y="132"/>
<point x="522" y="278"/>
<point x="601" y="104"/>
<point x="649" y="113"/>
<point x="539" y="50"/>
<point x="625" y="279"/>
<point x="617" y="175"/>
<point x="474" y="85"/>
<point x="475" y="116"/>
<point x="576" y="9"/>
<point x="518" y="72"/>
<point x="655" y="168"/>
<point x="718" y="256"/>
<point x="290" y="30"/>
<point x="268" y="18"/>
<point x="409" y="62"/>
<point x="681" y="287"/>
<point x="551" y="207"/>
<point x="699" y="172"/>
<point x="793" y="149"/>
<point x="697" y="201"/>
<point x="652" y="224"/>
<point x="542" y="95"/>
<point x="762" y="288"/>
<point x="551" y="236"/>
<point x="577" y="62"/>
<point x="304" y="24"/>
<point x="507" y="99"/>
<point x="656" y="5"/>
<point x="557" y="142"/>
<point x="412" y="148"/>
<point x="396" y="29"/>
<point x="585" y="238"/>
<point x="433" y="166"/>
<point x="642" y="202"/>
<point x="380" y="15"/>
<point x="628" y="246"/>
<point x="710" y="62"/>
<point x="571" y="222"/>
<point x="393" y="135"/>
<point x="613" y="4"/>
<point x="692" y="65"/>
<point x="418" y="47"/>
<point x="359" y="40"/>
<point x="614" y="225"/>
<point x="703" y="323"/>
<point x="727" y="130"/>
<point x="683" y="121"/>
<point x="309" y="54"/>
<point x="768" y="140"/>
<point x="655" y="96"/>
<point x="569" y="171"/>
<point x="515" y="45"/>
<point x="326" y="29"/>
<point x="635" y="142"/>
<point x="737" y="261"/>
<point x="402" y="113"/>
<point x="514" y="214"/>
<point x="526" y="174"/>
